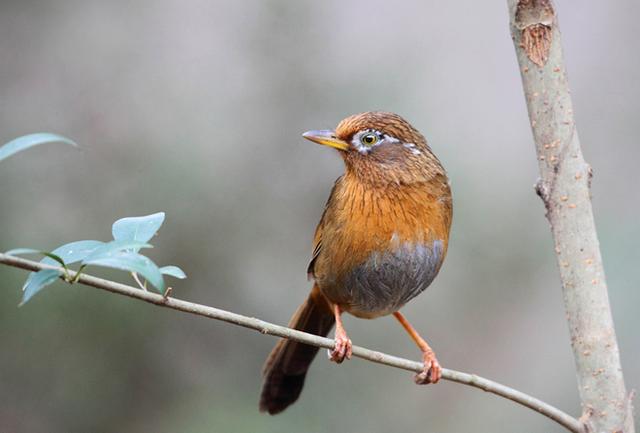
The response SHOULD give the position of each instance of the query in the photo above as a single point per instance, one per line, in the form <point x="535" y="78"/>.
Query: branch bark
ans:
<point x="562" y="418"/>
<point x="564" y="188"/>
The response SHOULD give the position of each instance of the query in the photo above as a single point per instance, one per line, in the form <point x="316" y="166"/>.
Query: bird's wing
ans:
<point x="317" y="238"/>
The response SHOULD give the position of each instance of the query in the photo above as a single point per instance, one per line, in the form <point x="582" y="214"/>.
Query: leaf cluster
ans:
<point x="130" y="235"/>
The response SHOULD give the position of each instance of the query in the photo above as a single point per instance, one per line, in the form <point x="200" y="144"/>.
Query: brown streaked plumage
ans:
<point x="380" y="242"/>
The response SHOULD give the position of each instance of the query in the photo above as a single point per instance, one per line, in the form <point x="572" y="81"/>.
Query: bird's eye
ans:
<point x="369" y="139"/>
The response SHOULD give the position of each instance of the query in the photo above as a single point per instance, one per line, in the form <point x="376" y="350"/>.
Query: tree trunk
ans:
<point x="564" y="187"/>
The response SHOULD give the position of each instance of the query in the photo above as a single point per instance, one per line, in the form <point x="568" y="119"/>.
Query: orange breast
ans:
<point x="375" y="236"/>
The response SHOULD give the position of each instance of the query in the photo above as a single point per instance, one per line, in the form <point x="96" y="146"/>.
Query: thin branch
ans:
<point x="567" y="421"/>
<point x="564" y="188"/>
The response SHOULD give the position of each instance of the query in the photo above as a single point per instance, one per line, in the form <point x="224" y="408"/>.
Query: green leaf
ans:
<point x="132" y="262"/>
<point x="40" y="280"/>
<point x="139" y="229"/>
<point x="173" y="271"/>
<point x="27" y="141"/>
<point x="75" y="251"/>
<point x="113" y="248"/>
<point x="21" y="251"/>
<point x="65" y="255"/>
<point x="51" y="258"/>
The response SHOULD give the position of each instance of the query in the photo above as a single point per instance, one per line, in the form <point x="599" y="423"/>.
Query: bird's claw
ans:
<point x="341" y="350"/>
<point x="431" y="372"/>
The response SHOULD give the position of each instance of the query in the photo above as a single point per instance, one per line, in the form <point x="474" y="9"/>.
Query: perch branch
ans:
<point x="564" y="188"/>
<point x="567" y="421"/>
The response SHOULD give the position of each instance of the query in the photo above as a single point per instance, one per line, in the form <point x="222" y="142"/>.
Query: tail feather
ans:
<point x="287" y="365"/>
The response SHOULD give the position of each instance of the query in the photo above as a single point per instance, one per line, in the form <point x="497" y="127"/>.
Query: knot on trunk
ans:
<point x="534" y="18"/>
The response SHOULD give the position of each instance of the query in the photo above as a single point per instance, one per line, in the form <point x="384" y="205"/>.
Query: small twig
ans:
<point x="562" y="418"/>
<point x="77" y="275"/>
<point x="135" y="277"/>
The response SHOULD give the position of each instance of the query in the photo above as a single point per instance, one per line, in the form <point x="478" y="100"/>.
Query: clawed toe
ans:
<point x="341" y="350"/>
<point x="431" y="373"/>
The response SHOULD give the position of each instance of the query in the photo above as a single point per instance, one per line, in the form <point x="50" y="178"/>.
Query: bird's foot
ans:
<point x="342" y="349"/>
<point x="431" y="372"/>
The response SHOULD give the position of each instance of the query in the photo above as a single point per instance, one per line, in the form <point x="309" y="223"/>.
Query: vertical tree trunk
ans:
<point x="564" y="187"/>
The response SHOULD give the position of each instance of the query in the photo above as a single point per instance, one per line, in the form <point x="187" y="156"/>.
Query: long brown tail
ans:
<point x="287" y="365"/>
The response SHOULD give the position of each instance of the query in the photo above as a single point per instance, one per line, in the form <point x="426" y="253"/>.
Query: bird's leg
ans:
<point x="342" y="348"/>
<point x="432" y="370"/>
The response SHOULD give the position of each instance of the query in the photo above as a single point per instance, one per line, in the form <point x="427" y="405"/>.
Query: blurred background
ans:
<point x="196" y="108"/>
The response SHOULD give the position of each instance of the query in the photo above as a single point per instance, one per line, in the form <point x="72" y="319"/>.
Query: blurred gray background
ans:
<point x="196" y="108"/>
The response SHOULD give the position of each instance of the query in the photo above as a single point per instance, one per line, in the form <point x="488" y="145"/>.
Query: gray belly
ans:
<point x="386" y="281"/>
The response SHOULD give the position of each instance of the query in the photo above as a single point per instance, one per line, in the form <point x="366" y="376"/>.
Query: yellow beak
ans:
<point x="327" y="138"/>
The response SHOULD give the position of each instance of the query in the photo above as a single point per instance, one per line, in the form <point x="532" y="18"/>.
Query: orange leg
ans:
<point x="342" y="349"/>
<point x="432" y="370"/>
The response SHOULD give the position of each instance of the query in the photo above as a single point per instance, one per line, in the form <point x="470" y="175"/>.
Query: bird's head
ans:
<point x="381" y="148"/>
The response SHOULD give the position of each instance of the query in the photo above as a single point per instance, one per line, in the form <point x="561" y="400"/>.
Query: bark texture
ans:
<point x="564" y="187"/>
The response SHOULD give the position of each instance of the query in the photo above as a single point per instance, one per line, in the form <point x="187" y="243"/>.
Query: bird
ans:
<point x="380" y="242"/>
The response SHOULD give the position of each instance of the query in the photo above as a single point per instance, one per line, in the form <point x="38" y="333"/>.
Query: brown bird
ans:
<point x="380" y="242"/>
